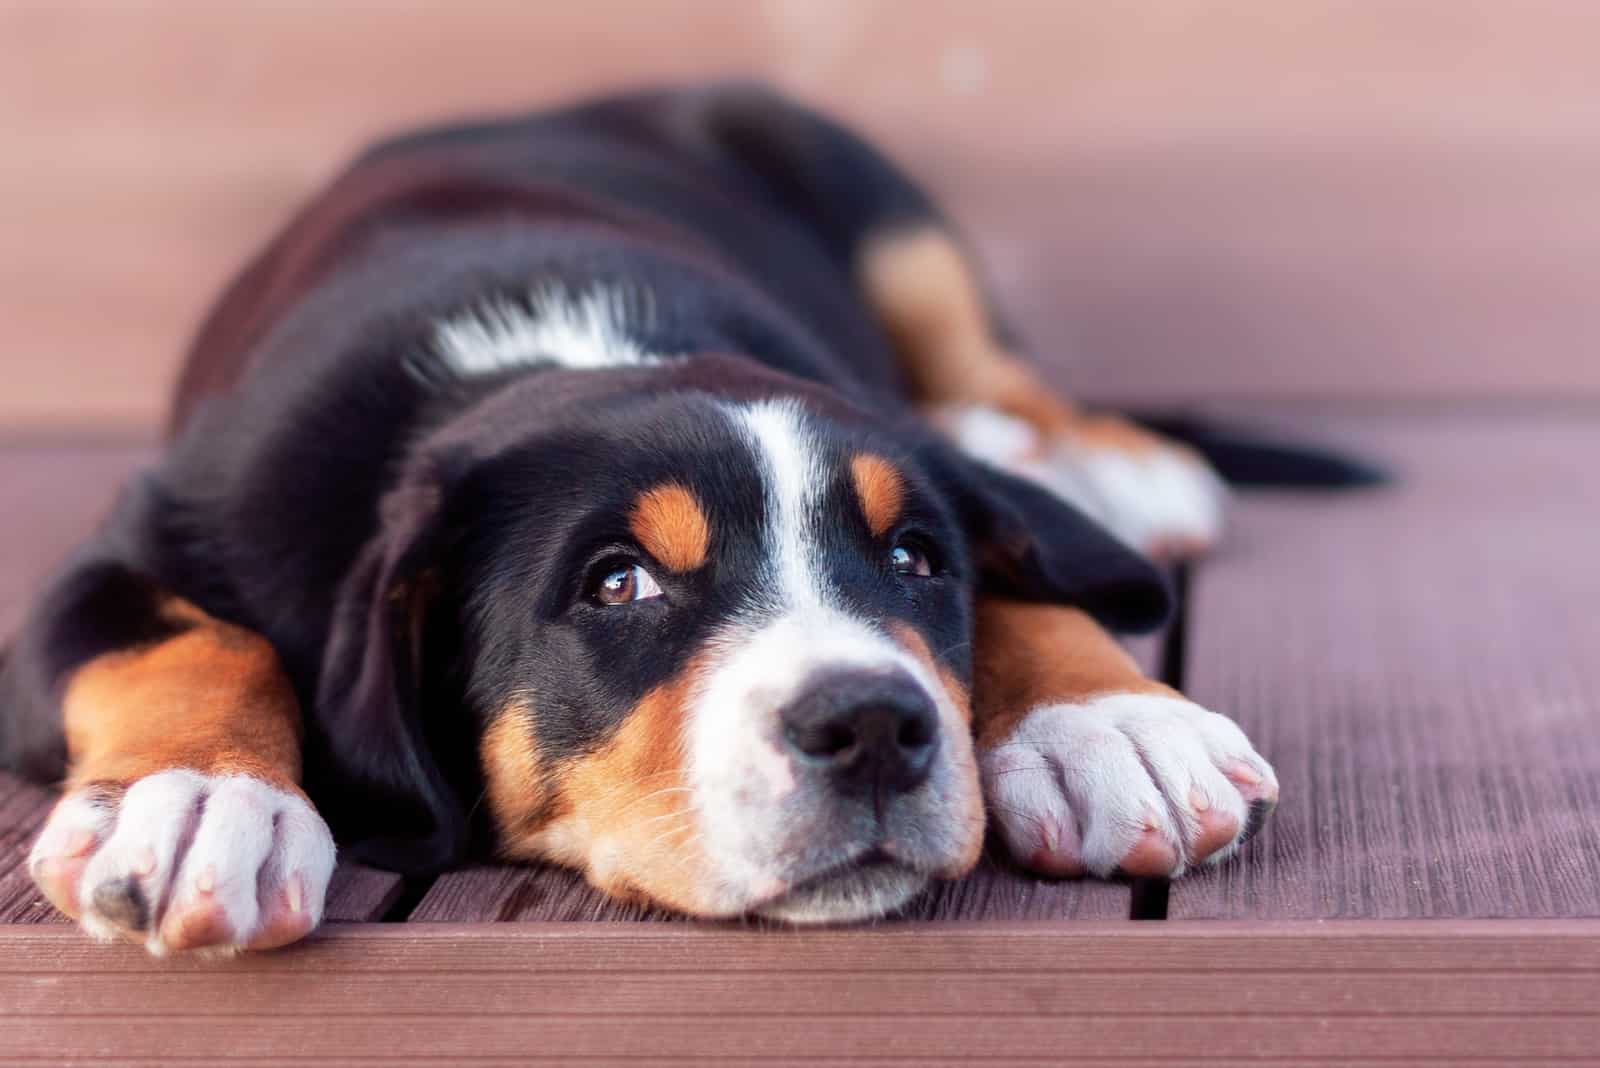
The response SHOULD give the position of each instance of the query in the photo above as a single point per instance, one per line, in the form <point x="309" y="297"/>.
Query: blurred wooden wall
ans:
<point x="1394" y="200"/>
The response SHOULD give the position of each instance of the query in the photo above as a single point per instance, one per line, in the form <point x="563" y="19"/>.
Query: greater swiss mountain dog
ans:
<point x="648" y="487"/>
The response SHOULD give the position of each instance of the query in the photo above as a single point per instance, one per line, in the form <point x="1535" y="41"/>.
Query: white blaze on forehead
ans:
<point x="587" y="329"/>
<point x="794" y="480"/>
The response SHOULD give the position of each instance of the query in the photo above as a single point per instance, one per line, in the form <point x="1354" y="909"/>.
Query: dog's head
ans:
<point x="700" y="631"/>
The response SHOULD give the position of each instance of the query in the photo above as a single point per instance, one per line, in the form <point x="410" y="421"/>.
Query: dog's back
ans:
<point x="695" y="190"/>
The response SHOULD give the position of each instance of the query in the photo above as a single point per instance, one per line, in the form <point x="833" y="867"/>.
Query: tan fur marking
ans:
<point x="625" y="813"/>
<point x="880" y="490"/>
<point x="924" y="290"/>
<point x="518" y="795"/>
<point x="1026" y="655"/>
<point x="910" y="639"/>
<point x="1119" y="435"/>
<point x="212" y="698"/>
<point x="670" y="525"/>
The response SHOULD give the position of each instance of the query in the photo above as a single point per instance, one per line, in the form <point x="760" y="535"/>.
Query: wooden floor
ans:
<point x="1419" y="662"/>
<point x="1376" y="225"/>
<point x="1082" y="994"/>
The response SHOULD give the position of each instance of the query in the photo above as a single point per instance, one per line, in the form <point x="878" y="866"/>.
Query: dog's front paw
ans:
<point x="1144" y="784"/>
<point x="178" y="860"/>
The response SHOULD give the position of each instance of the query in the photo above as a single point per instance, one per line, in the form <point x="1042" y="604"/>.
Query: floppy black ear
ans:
<point x="389" y="798"/>
<point x="1031" y="545"/>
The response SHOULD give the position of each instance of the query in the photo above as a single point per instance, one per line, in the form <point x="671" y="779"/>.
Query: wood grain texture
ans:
<point x="23" y="808"/>
<point x="389" y="1059"/>
<point x="837" y="1062"/>
<point x="1564" y="947"/>
<point x="1440" y="993"/>
<point x="921" y="993"/>
<point x="1419" y="664"/>
<point x="557" y="1039"/>
<point x="1176" y="200"/>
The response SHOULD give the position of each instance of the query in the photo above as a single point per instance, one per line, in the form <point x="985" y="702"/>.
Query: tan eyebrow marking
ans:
<point x="880" y="490"/>
<point x="671" y="526"/>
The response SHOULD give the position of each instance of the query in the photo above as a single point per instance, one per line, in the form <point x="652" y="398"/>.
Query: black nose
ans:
<point x="865" y="730"/>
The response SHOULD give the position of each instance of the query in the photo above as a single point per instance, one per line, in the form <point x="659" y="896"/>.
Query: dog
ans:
<point x="649" y="487"/>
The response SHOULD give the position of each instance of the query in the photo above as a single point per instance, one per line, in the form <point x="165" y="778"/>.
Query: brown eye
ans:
<point x="624" y="585"/>
<point x="909" y="560"/>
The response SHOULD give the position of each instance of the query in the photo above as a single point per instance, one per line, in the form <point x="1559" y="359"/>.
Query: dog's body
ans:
<point x="587" y="464"/>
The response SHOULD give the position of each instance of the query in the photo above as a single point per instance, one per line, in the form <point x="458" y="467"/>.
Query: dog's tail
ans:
<point x="1247" y="457"/>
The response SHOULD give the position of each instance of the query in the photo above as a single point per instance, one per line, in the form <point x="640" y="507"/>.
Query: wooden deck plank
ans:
<point x="964" y="993"/>
<point x="1218" y="948"/>
<point x="389" y="1060"/>
<point x="1420" y="666"/>
<point x="22" y="812"/>
<point x="744" y="993"/>
<point x="560" y="1038"/>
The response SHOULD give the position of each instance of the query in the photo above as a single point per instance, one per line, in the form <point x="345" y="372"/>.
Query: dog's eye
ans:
<point x="908" y="559"/>
<point x="624" y="585"/>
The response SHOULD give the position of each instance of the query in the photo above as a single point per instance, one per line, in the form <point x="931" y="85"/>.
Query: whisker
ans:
<point x="668" y="833"/>
<point x="1029" y="767"/>
<point x="1030" y="817"/>
<point x="675" y="814"/>
<point x="474" y="809"/>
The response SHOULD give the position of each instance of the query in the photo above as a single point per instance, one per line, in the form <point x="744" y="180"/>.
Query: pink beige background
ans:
<point x="1180" y="200"/>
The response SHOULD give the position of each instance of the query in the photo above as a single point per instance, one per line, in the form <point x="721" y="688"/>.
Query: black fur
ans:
<point x="1251" y="458"/>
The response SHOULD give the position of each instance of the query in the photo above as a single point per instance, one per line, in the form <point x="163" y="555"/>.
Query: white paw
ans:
<point x="1164" y="502"/>
<point x="1139" y="783"/>
<point x="1159" y="498"/>
<point x="181" y="860"/>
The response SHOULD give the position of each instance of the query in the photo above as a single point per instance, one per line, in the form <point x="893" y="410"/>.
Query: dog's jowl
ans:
<point x="657" y="471"/>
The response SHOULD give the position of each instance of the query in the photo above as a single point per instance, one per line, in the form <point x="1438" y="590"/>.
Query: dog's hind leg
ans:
<point x="959" y="360"/>
<point x="1156" y="495"/>
<point x="182" y="825"/>
<point x="1088" y="767"/>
